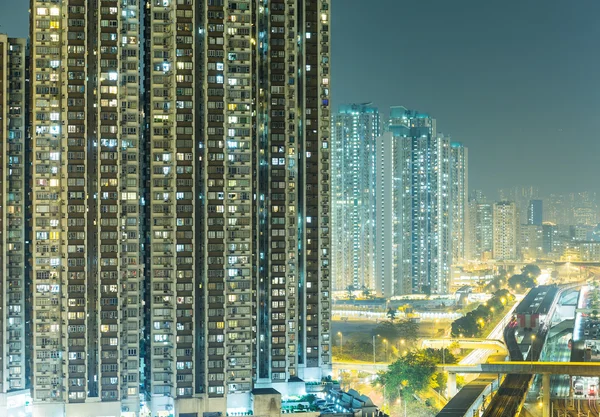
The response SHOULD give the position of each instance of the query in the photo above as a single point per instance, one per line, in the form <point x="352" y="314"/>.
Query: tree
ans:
<point x="391" y="313"/>
<point x="350" y="290"/>
<point x="386" y="329"/>
<point x="465" y="326"/>
<point x="531" y="270"/>
<point x="521" y="282"/>
<point x="408" y="375"/>
<point x="408" y="329"/>
<point x="495" y="284"/>
<point x="441" y="356"/>
<point x="366" y="291"/>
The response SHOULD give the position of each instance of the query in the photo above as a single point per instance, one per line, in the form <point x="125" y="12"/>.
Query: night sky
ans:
<point x="517" y="81"/>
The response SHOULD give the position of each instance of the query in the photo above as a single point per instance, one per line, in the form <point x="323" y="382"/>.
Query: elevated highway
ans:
<point x="489" y="344"/>
<point x="527" y="368"/>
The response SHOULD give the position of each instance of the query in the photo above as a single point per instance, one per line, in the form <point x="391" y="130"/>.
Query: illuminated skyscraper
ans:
<point x="174" y="361"/>
<point x="87" y="266"/>
<point x="354" y="130"/>
<point x="506" y="223"/>
<point x="14" y="349"/>
<point x="264" y="179"/>
<point x="238" y="114"/>
<point x="459" y="174"/>
<point x="388" y="277"/>
<point x="534" y="212"/>
<point x="423" y="231"/>
<point x="190" y="257"/>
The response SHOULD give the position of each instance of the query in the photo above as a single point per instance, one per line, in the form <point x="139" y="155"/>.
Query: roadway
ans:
<point x="527" y="367"/>
<point x="481" y="355"/>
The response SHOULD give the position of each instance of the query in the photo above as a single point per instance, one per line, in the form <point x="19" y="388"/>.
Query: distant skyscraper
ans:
<point x="585" y="209"/>
<point x="353" y="132"/>
<point x="521" y="196"/>
<point x="535" y="213"/>
<point x="557" y="209"/>
<point x="387" y="264"/>
<point x="531" y="238"/>
<point x="459" y="192"/>
<point x="505" y="231"/>
<point x="424" y="236"/>
<point x="550" y="238"/>
<point x="481" y="227"/>
<point x="14" y="349"/>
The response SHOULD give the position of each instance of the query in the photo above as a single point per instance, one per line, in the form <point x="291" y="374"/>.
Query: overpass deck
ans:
<point x="467" y="398"/>
<point x="528" y="368"/>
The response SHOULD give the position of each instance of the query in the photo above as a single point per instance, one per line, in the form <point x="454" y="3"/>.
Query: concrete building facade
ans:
<point x="459" y="174"/>
<point x="181" y="241"/>
<point x="505" y="231"/>
<point x="422" y="225"/>
<point x="14" y="346"/>
<point x="354" y="130"/>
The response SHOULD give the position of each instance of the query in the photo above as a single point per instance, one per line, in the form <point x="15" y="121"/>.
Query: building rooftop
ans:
<point x="538" y="300"/>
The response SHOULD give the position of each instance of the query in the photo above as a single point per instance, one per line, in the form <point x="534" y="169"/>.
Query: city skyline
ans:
<point x="192" y="222"/>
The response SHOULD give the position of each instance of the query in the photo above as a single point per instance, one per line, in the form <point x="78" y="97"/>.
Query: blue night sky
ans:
<point x="517" y="81"/>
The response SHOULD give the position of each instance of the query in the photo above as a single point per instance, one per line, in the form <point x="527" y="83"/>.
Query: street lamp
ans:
<point x="341" y="335"/>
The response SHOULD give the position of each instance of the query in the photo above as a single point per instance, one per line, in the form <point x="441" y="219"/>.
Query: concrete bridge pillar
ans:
<point x="451" y="384"/>
<point x="546" y="395"/>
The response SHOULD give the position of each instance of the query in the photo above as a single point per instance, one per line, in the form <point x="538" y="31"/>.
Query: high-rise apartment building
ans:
<point x="354" y="130"/>
<point x="240" y="117"/>
<point x="180" y="243"/>
<point x="480" y="227"/>
<point x="531" y="241"/>
<point x="484" y="231"/>
<point x="87" y="267"/>
<point x="550" y="238"/>
<point x="174" y="353"/>
<point x="387" y="179"/>
<point x="423" y="231"/>
<point x="459" y="191"/>
<point x="535" y="213"/>
<point x="14" y="348"/>
<point x="521" y="196"/>
<point x="506" y="224"/>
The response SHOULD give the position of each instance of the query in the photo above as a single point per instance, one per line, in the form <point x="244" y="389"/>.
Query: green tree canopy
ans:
<point x="409" y="375"/>
<point x="531" y="270"/>
<point x="521" y="282"/>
